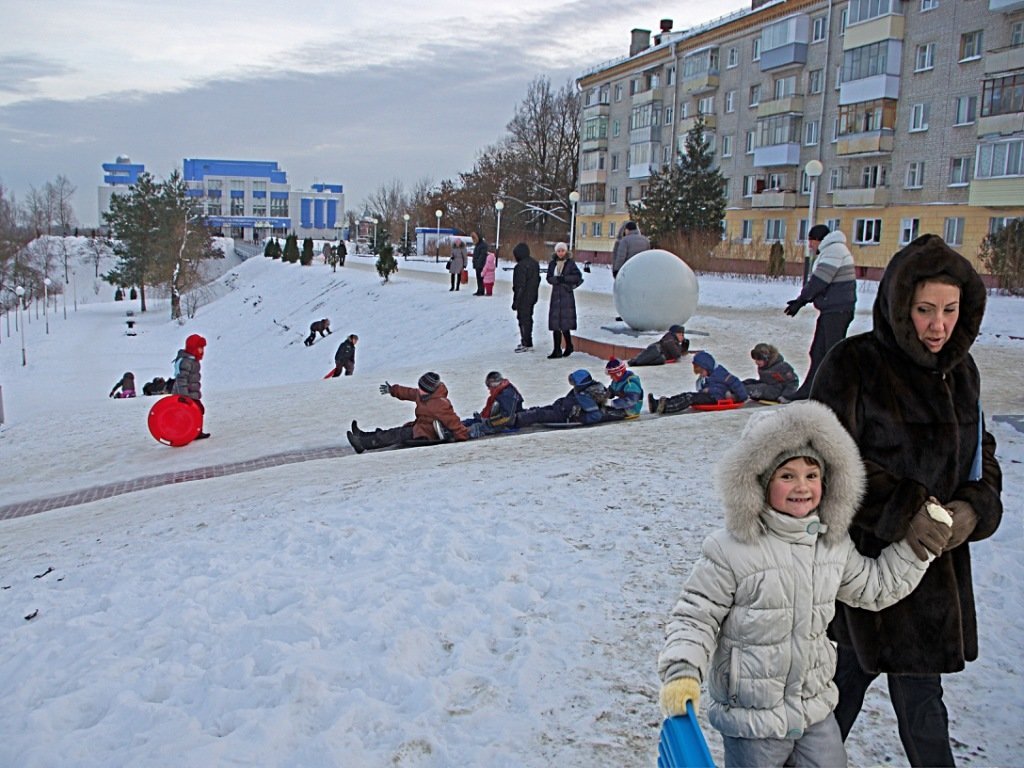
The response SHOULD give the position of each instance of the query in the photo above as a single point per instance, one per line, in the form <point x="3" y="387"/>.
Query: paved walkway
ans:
<point x="25" y="508"/>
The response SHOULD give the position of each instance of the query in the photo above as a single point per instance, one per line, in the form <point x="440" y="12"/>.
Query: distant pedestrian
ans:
<point x="188" y="374"/>
<point x="564" y="277"/>
<point x="457" y="263"/>
<point x="323" y="327"/>
<point x="490" y="269"/>
<point x="345" y="357"/>
<point x="525" y="285"/>
<point x="126" y="386"/>
<point x="479" y="260"/>
<point x="629" y="245"/>
<point x="833" y="289"/>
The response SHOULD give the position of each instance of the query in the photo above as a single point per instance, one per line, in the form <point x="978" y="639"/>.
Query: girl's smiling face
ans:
<point x="795" y="487"/>
<point x="934" y="311"/>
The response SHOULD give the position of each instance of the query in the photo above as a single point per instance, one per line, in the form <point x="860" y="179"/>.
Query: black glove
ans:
<point x="385" y="388"/>
<point x="792" y="307"/>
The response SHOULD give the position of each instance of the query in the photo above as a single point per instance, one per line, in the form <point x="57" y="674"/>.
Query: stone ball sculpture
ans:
<point x="655" y="289"/>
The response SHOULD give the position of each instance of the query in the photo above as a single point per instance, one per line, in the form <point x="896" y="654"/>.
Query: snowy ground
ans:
<point x="495" y="603"/>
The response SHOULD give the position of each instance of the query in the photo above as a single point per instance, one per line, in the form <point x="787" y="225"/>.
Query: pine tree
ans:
<point x="307" y="252"/>
<point x="386" y="264"/>
<point x="291" y="249"/>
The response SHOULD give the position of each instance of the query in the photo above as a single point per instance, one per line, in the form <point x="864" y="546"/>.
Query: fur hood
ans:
<point x="777" y="435"/>
<point x="928" y="256"/>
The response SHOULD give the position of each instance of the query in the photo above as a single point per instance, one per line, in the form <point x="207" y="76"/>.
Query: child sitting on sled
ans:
<point x="126" y="385"/>
<point x="750" y="621"/>
<point x="504" y="402"/>
<point x="714" y="383"/>
<point x="775" y="377"/>
<point x="585" y="403"/>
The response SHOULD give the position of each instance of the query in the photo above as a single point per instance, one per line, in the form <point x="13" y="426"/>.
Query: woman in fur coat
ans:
<point x="564" y="277"/>
<point x="909" y="391"/>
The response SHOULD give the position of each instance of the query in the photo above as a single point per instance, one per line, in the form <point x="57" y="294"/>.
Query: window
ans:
<point x="835" y="179"/>
<point x="775" y="181"/>
<point x="873" y="176"/>
<point x="727" y="146"/>
<point x="666" y="154"/>
<point x="634" y="86"/>
<point x="670" y="76"/>
<point x="752" y="184"/>
<point x="801" y="235"/>
<point x="1017" y="34"/>
<point x="595" y="128"/>
<point x="915" y="174"/>
<point x="669" y="115"/>
<point x="970" y="45"/>
<point x="867" y="116"/>
<point x="755" y="95"/>
<point x="959" y="171"/>
<point x="1002" y="95"/>
<point x="816" y="81"/>
<point x="237" y="206"/>
<point x="811" y="133"/>
<point x="755" y="49"/>
<point x="834" y="225"/>
<point x="747" y="229"/>
<point x="953" y="230"/>
<point x="618" y="92"/>
<point x="596" y="229"/>
<point x="865" y="61"/>
<point x="616" y="128"/>
<point x="998" y="223"/>
<point x="629" y="194"/>
<point x="238" y="185"/>
<point x="615" y="162"/>
<point x="965" y="110"/>
<point x="732" y="58"/>
<point x="999" y="159"/>
<point x="259" y="186"/>
<point x="919" y="117"/>
<point x="730" y="101"/>
<point x="909" y="230"/>
<point x="774" y="229"/>
<point x="929" y="5"/>
<point x="784" y="87"/>
<point x="867" y="231"/>
<point x="780" y="129"/>
<point x="613" y="195"/>
<point x="819" y="29"/>
<point x="924" y="57"/>
<point x="706" y="105"/>
<point x="751" y="142"/>
<point x="863" y="10"/>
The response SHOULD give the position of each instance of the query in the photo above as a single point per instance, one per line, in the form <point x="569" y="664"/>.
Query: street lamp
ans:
<point x="813" y="170"/>
<point x="498" y="206"/>
<point x="405" y="217"/>
<point x="375" y="248"/>
<point x="574" y="197"/>
<point x="74" y="287"/>
<point x="437" y="240"/>
<point x="20" y="293"/>
<point x="46" y="300"/>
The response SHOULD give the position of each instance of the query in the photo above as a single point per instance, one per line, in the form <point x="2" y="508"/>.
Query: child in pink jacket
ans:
<point x="490" y="267"/>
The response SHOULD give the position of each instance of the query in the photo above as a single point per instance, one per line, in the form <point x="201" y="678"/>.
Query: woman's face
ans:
<point x="560" y="253"/>
<point x="934" y="311"/>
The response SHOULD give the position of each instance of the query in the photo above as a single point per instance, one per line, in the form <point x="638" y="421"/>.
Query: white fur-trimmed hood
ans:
<point x="785" y="429"/>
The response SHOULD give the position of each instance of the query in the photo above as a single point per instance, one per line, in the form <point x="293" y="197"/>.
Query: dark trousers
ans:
<point x="456" y="281"/>
<point x="525" y="318"/>
<point x="829" y="331"/>
<point x="650" y="356"/>
<point x="917" y="700"/>
<point x="346" y="367"/>
<point x="563" y="342"/>
<point x="479" y="283"/>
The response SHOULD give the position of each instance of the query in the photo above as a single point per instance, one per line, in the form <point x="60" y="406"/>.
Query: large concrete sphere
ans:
<point x="655" y="289"/>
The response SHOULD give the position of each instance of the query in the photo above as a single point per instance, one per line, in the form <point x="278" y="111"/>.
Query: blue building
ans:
<point x="117" y="177"/>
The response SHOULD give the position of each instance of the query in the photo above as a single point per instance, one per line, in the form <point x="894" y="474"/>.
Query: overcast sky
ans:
<point x="343" y="92"/>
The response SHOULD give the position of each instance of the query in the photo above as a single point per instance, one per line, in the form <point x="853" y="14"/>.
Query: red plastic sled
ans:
<point x="175" y="420"/>
<point x="721" y="405"/>
<point x="331" y="373"/>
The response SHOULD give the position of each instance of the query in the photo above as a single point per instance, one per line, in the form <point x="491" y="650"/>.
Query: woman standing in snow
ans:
<point x="457" y="263"/>
<point x="564" y="277"/>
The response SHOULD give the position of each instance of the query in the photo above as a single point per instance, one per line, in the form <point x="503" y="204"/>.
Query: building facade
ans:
<point x="914" y="110"/>
<point x="117" y="177"/>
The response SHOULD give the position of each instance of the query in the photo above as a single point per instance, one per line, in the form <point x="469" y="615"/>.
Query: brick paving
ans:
<point x="73" y="498"/>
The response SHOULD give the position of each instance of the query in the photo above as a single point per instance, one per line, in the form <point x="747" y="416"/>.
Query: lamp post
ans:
<point x="574" y="197"/>
<point x="405" y="250"/>
<point x="813" y="170"/>
<point x="499" y="207"/>
<point x="437" y="237"/>
<point x="46" y="300"/>
<point x="20" y="293"/>
<point x="74" y="287"/>
<point x="375" y="248"/>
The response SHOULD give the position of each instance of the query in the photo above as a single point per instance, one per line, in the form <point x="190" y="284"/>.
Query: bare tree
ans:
<point x="387" y="204"/>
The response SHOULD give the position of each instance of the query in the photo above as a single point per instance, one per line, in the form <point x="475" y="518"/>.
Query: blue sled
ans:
<point x="682" y="743"/>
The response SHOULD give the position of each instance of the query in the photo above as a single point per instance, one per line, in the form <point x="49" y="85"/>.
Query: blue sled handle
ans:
<point x="682" y="743"/>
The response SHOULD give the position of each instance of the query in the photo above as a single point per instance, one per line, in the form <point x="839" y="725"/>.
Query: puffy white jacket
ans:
<point x="752" y="617"/>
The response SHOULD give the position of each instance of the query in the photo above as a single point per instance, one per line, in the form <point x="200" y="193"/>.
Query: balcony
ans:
<point x="776" y="155"/>
<point x="870" y="89"/>
<point x="640" y="170"/>
<point x="594" y="177"/>
<point x="1008" y="191"/>
<point x="1004" y="60"/>
<point x="650" y="96"/>
<point x="784" y="56"/>
<point x="593" y="145"/>
<point x="1003" y="125"/>
<point x="861" y="196"/>
<point x="700" y="83"/>
<point x="590" y="209"/>
<point x="867" y="143"/>
<point x="1005" y="6"/>
<point x="687" y="123"/>
<point x="597" y="110"/>
<point x="787" y="105"/>
<point x="650" y="133"/>
<point x="889" y="27"/>
<point x="773" y="199"/>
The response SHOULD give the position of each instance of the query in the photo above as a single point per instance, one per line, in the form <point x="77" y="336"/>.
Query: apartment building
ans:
<point x="914" y="110"/>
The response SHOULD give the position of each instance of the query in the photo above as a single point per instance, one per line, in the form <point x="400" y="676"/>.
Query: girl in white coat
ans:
<point x="752" y="617"/>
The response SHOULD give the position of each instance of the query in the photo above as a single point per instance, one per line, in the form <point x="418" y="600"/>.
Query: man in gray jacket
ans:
<point x="832" y="288"/>
<point x="629" y="245"/>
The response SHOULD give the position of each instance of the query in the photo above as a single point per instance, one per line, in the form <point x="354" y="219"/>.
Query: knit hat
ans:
<point x="429" y="382"/>
<point x="704" y="360"/>
<point x="791" y="453"/>
<point x="521" y="251"/>
<point x="818" y="232"/>
<point x="615" y="368"/>
<point x="194" y="345"/>
<point x="630" y="225"/>
<point x="676" y="329"/>
<point x="763" y="352"/>
<point x="494" y="378"/>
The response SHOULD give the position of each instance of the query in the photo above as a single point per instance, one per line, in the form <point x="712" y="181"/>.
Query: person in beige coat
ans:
<point x="751" y="621"/>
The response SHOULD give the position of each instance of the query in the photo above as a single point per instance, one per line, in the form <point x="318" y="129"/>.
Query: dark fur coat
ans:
<point x="916" y="418"/>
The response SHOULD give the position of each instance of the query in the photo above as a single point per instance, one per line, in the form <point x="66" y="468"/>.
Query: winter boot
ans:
<point x="355" y="442"/>
<point x="676" y="403"/>
<point x="652" y="403"/>
<point x="568" y="344"/>
<point x="557" y="352"/>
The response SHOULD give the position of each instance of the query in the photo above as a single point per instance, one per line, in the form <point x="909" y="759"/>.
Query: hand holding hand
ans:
<point x="929" y="530"/>
<point x="675" y="694"/>
<point x="385" y="388"/>
<point x="792" y="307"/>
<point x="965" y="519"/>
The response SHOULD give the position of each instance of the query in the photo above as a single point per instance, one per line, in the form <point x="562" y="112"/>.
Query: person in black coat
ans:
<point x="668" y="349"/>
<point x="323" y="327"/>
<point x="525" y="285"/>
<point x="908" y="392"/>
<point x="479" y="260"/>
<point x="345" y="357"/>
<point x="564" y="277"/>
